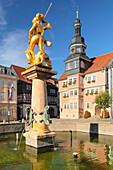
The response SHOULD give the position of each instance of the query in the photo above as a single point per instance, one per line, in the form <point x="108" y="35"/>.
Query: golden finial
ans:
<point x="77" y="12"/>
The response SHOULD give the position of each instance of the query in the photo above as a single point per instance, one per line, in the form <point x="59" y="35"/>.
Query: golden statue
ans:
<point x="36" y="37"/>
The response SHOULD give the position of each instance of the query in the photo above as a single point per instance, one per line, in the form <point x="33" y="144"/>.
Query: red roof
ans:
<point x="18" y="71"/>
<point x="63" y="76"/>
<point x="99" y="62"/>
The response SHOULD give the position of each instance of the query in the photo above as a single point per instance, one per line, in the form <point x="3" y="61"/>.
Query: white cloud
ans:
<point x="2" y="16"/>
<point x="4" y="4"/>
<point x="13" y="47"/>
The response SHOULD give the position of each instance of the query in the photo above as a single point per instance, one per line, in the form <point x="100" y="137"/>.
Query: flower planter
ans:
<point x="93" y="81"/>
<point x="64" y="86"/>
<point x="88" y="81"/>
<point x="64" y="96"/>
<point x="96" y="93"/>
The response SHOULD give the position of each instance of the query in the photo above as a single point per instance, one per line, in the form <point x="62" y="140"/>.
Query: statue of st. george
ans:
<point x="36" y="37"/>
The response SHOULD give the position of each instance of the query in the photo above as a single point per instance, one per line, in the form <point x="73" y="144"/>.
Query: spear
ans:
<point x="48" y="10"/>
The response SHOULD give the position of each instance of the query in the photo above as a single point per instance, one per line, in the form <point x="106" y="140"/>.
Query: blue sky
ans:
<point x="16" y="17"/>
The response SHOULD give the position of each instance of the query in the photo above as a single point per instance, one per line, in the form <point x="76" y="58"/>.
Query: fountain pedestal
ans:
<point x="39" y="136"/>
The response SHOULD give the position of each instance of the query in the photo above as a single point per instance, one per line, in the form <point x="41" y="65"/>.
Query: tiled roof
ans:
<point x="18" y="71"/>
<point x="63" y="76"/>
<point x="99" y="62"/>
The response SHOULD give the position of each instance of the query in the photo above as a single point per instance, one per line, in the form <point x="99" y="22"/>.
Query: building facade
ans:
<point x="8" y="108"/>
<point x="24" y="92"/>
<point x="52" y="97"/>
<point x="82" y="79"/>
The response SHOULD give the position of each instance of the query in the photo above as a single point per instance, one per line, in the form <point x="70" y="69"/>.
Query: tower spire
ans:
<point x="77" y="12"/>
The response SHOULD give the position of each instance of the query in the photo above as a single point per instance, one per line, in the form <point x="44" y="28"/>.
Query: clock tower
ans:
<point x="77" y="62"/>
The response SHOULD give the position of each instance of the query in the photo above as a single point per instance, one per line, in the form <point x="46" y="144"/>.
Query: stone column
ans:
<point x="39" y="74"/>
<point x="38" y="103"/>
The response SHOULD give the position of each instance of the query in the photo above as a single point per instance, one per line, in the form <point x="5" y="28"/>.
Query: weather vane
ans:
<point x="36" y="38"/>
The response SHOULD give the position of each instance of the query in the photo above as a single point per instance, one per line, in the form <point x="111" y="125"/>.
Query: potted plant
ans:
<point x="96" y="92"/>
<point x="64" y="96"/>
<point x="88" y="81"/>
<point x="87" y="94"/>
<point x="87" y="114"/>
<point x="70" y="83"/>
<point x="93" y="81"/>
<point x="91" y="93"/>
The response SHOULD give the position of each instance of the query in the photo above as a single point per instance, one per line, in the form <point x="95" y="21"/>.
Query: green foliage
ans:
<point x="103" y="100"/>
<point x="87" y="114"/>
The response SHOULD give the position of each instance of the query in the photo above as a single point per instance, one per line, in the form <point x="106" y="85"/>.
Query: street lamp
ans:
<point x="8" y="106"/>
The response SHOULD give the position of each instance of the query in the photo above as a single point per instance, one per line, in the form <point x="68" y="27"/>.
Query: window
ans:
<point x="77" y="63"/>
<point x="89" y="78"/>
<point x="67" y="106"/>
<point x="24" y="97"/>
<point x="2" y="70"/>
<point x="75" y="92"/>
<point x="2" y="96"/>
<point x="2" y="112"/>
<point x="52" y="91"/>
<point x="10" y="112"/>
<point x="71" y="105"/>
<point x="94" y="78"/>
<point x="71" y="93"/>
<point x="87" y="105"/>
<point x="2" y="82"/>
<point x="75" y="105"/>
<point x="64" y="94"/>
<point x="92" y="90"/>
<point x="67" y="66"/>
<point x="64" y="106"/>
<point x="74" y="80"/>
<point x="70" y="81"/>
<point x="9" y="83"/>
<point x="78" y="50"/>
<point x="87" y="91"/>
<point x="73" y="115"/>
<point x="67" y="94"/>
<point x="8" y="72"/>
<point x="64" y="83"/>
<point x="74" y="64"/>
<point x="96" y="90"/>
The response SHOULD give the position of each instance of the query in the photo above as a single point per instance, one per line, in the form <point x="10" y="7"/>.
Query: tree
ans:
<point x="103" y="101"/>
